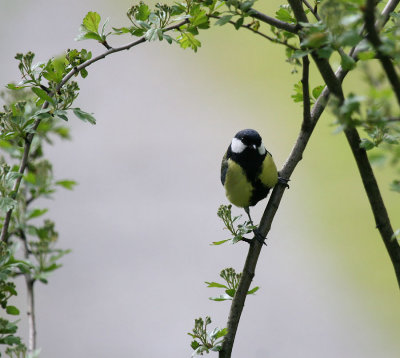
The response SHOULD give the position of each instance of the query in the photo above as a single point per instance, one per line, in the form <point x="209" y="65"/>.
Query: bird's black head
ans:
<point x="249" y="137"/>
<point x="247" y="149"/>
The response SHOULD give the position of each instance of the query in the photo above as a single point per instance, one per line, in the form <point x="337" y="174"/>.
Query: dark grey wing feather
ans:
<point x="224" y="168"/>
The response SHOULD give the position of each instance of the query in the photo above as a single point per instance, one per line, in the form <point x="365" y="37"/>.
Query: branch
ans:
<point x="29" y="137"/>
<point x="376" y="42"/>
<point x="274" y="22"/>
<point x="360" y="155"/>
<point x="389" y="8"/>
<point x="333" y="85"/>
<point x="30" y="296"/>
<point x="248" y="27"/>
<point x="312" y="9"/>
<point x="255" y="246"/>
<point x="31" y="314"/>
<point x="306" y="92"/>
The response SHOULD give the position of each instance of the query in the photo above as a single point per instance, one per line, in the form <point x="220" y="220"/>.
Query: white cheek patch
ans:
<point x="237" y="146"/>
<point x="261" y="149"/>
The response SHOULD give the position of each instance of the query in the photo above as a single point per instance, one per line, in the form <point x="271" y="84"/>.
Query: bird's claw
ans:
<point x="284" y="181"/>
<point x="259" y="237"/>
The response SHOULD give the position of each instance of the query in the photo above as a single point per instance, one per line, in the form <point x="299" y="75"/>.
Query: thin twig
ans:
<point x="29" y="137"/>
<point x="374" y="39"/>
<point x="312" y="9"/>
<point x="249" y="27"/>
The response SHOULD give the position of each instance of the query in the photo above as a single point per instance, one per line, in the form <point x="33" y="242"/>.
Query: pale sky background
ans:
<point x="142" y="218"/>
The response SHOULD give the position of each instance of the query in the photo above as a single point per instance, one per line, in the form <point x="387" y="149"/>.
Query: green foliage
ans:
<point x="237" y="230"/>
<point x="232" y="280"/>
<point x="38" y="239"/>
<point x="204" y="341"/>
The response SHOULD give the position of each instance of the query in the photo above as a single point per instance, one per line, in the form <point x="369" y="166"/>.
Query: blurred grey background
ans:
<point x="142" y="218"/>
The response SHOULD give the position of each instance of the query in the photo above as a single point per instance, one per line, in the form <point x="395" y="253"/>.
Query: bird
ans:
<point x="248" y="171"/>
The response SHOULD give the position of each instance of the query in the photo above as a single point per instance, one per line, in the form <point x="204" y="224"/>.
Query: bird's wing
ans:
<point x="224" y="168"/>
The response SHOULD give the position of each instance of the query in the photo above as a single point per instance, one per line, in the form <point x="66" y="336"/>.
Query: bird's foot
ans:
<point x="284" y="181"/>
<point x="259" y="237"/>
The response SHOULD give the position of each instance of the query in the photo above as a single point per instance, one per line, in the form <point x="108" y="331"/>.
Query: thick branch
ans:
<point x="373" y="38"/>
<point x="274" y="22"/>
<point x="29" y="137"/>
<point x="30" y="297"/>
<point x="306" y="92"/>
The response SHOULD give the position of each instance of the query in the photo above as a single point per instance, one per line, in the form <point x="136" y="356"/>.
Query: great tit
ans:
<point x="248" y="171"/>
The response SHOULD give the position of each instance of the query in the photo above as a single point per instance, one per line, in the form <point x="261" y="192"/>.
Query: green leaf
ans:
<point x="84" y="35"/>
<point x="215" y="284"/>
<point x="83" y="72"/>
<point x="298" y="95"/>
<point x="91" y="21"/>
<point x="220" y="242"/>
<point x="253" y="290"/>
<point x="347" y="62"/>
<point x="12" y="310"/>
<point x="36" y="213"/>
<point x="223" y="20"/>
<point x="143" y="12"/>
<point x="300" y="53"/>
<point x="7" y="204"/>
<point x="230" y="292"/>
<point x="43" y="95"/>
<point x="316" y="39"/>
<point x="221" y="333"/>
<point x="61" y="114"/>
<point x="317" y="91"/>
<point x="367" y="55"/>
<point x="187" y="40"/>
<point x="324" y="52"/>
<point x="239" y="23"/>
<point x="200" y="18"/>
<point x="67" y="184"/>
<point x="366" y="144"/>
<point x="283" y="14"/>
<point x="195" y="344"/>
<point x="84" y="116"/>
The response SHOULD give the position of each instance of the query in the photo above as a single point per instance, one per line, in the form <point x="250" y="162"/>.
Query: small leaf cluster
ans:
<point x="232" y="280"/>
<point x="237" y="230"/>
<point x="204" y="341"/>
<point x="50" y="101"/>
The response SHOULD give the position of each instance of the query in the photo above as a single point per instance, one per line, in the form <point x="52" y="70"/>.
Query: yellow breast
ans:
<point x="269" y="173"/>
<point x="238" y="189"/>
